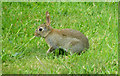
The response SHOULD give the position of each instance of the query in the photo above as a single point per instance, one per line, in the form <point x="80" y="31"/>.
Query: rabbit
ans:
<point x="71" y="41"/>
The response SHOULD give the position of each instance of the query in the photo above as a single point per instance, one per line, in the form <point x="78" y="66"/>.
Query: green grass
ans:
<point x="23" y="54"/>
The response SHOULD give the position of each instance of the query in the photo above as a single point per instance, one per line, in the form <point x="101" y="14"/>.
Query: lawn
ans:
<point x="22" y="53"/>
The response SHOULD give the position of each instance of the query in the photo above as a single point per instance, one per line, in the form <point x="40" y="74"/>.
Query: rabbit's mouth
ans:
<point x="36" y="34"/>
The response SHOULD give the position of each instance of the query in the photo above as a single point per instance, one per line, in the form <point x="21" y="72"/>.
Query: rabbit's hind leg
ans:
<point x="76" y="47"/>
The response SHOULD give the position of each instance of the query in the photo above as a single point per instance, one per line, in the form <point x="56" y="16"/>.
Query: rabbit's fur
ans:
<point x="70" y="40"/>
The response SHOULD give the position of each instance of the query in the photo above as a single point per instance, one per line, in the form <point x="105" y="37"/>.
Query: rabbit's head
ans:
<point x="44" y="29"/>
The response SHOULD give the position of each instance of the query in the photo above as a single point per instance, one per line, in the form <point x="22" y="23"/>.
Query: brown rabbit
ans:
<point x="70" y="40"/>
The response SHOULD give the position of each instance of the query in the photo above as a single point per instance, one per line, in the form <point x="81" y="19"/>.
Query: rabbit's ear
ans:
<point x="48" y="18"/>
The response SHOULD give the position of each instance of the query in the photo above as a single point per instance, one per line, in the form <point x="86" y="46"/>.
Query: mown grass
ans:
<point x="23" y="54"/>
<point x="0" y="39"/>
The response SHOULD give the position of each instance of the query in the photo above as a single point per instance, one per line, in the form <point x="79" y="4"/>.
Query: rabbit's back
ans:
<point x="74" y="34"/>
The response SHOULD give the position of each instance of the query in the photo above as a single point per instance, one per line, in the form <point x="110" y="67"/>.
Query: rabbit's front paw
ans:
<point x="50" y="50"/>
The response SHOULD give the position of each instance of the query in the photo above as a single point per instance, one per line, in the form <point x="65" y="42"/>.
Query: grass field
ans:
<point x="24" y="54"/>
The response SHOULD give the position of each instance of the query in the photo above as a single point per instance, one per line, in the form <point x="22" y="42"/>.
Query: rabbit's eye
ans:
<point x="40" y="29"/>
